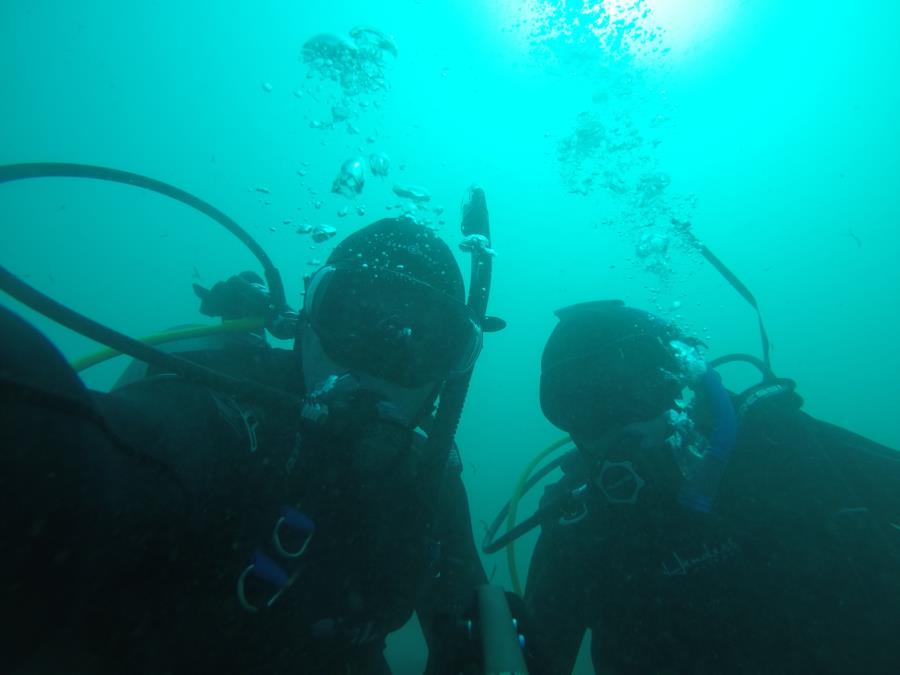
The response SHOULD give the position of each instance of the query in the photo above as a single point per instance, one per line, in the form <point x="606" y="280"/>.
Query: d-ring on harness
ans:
<point x="266" y="569"/>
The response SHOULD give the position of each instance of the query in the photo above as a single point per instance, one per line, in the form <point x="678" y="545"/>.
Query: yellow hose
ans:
<point x="514" y="504"/>
<point x="236" y="326"/>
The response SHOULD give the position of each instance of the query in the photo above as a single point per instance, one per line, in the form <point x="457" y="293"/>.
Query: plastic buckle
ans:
<point x="580" y="511"/>
<point x="251" y="422"/>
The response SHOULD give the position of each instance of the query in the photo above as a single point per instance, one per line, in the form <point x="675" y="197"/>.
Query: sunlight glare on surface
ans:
<point x="647" y="30"/>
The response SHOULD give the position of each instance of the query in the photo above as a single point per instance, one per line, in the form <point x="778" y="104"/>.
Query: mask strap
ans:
<point x="313" y="291"/>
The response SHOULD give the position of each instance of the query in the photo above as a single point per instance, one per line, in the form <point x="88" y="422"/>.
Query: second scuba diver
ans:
<point x="698" y="531"/>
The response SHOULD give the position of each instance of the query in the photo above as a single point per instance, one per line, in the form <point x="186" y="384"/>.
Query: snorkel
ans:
<point x="476" y="229"/>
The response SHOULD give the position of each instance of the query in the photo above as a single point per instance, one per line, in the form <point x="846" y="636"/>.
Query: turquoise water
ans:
<point x="770" y="126"/>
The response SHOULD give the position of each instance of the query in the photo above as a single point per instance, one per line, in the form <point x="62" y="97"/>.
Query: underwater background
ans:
<point x="601" y="133"/>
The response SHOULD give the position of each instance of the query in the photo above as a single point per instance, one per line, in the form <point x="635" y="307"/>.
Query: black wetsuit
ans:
<point x="796" y="571"/>
<point x="129" y="518"/>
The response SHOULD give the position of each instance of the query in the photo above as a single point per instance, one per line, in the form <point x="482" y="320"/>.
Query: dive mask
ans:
<point x="388" y="324"/>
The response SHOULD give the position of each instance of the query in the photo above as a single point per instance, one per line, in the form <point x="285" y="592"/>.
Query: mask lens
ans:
<point x="390" y="325"/>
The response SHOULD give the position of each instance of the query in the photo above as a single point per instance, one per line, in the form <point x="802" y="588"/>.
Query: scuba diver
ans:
<point x="232" y="507"/>
<point x="699" y="531"/>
